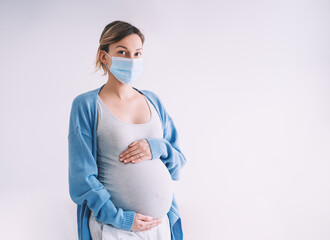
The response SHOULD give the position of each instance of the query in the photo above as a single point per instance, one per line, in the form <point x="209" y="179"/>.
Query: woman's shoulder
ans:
<point x="157" y="101"/>
<point x="86" y="98"/>
<point x="153" y="96"/>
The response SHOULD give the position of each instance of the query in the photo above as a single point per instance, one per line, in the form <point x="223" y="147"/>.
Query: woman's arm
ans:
<point x="83" y="183"/>
<point x="167" y="148"/>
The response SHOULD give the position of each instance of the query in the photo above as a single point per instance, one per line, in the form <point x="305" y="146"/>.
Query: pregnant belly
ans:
<point x="144" y="187"/>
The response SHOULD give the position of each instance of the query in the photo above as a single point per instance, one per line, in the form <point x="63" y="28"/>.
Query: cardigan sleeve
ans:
<point x="83" y="183"/>
<point x="167" y="149"/>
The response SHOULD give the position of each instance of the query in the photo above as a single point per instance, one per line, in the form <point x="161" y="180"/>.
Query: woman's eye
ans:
<point x="137" y="54"/>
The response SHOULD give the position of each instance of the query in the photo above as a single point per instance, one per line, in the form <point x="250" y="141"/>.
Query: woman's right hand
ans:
<point x="144" y="222"/>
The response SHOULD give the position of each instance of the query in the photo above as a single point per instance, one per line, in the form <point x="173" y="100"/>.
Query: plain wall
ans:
<point x="246" y="83"/>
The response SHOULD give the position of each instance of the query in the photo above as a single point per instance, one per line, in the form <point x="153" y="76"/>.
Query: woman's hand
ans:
<point x="143" y="222"/>
<point x="138" y="151"/>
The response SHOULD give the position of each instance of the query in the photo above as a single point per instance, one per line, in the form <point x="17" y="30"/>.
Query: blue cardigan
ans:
<point x="85" y="189"/>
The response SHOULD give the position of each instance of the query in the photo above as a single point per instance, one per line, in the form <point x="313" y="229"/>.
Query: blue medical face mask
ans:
<point x="126" y="70"/>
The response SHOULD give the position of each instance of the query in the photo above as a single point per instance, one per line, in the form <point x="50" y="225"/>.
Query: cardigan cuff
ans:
<point x="128" y="220"/>
<point x="155" y="147"/>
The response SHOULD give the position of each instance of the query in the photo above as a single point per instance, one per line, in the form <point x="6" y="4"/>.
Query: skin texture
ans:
<point x="143" y="222"/>
<point x="129" y="106"/>
<point x="138" y="151"/>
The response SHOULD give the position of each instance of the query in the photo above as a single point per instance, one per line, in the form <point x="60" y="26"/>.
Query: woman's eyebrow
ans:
<point x="126" y="47"/>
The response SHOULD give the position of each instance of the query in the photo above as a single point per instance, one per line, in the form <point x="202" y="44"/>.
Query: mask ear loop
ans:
<point x="108" y="55"/>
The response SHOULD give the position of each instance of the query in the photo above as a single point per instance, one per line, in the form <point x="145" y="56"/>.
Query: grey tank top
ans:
<point x="144" y="187"/>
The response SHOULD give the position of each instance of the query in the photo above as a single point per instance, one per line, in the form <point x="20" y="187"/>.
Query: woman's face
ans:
<point x="128" y="47"/>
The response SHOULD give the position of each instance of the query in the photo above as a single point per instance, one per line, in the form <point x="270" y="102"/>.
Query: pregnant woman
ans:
<point x="123" y="150"/>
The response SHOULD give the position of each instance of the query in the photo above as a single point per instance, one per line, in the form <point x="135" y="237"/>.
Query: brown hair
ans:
<point x="112" y="33"/>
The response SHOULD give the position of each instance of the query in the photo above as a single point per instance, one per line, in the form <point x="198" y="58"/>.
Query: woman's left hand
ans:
<point x="138" y="151"/>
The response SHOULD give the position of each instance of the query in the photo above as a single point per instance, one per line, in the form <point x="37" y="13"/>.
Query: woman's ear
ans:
<point x="103" y="57"/>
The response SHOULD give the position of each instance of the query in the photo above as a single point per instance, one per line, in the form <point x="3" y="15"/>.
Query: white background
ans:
<point x="246" y="83"/>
